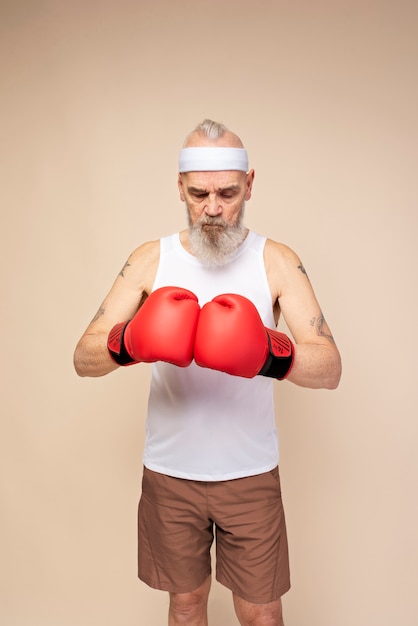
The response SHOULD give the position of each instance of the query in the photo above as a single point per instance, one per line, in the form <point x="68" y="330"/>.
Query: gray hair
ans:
<point x="209" y="128"/>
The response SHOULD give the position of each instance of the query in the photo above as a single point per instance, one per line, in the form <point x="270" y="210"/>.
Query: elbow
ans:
<point x="78" y="360"/>
<point x="332" y="384"/>
<point x="79" y="367"/>
<point x="87" y="366"/>
<point x="335" y="375"/>
<point x="81" y="361"/>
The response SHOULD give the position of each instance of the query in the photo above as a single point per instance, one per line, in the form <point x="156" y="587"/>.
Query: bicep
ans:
<point x="119" y="305"/>
<point x="129" y="290"/>
<point x="317" y="362"/>
<point x="295" y="295"/>
<point x="303" y="314"/>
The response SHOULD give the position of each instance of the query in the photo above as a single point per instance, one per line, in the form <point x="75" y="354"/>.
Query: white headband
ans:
<point x="207" y="159"/>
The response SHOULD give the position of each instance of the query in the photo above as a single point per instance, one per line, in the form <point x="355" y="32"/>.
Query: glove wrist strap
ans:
<point x="116" y="345"/>
<point x="279" y="361"/>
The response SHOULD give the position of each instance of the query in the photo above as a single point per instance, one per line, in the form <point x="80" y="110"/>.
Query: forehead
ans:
<point x="214" y="180"/>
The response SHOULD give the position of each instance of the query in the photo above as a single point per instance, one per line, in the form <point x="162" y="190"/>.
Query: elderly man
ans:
<point x="202" y="306"/>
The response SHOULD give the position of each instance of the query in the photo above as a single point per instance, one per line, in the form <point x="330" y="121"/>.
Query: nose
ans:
<point x="213" y="206"/>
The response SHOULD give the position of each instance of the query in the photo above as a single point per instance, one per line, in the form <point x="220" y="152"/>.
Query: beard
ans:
<point x="213" y="240"/>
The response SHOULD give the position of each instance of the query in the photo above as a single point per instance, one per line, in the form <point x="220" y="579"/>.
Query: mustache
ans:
<point x="207" y="220"/>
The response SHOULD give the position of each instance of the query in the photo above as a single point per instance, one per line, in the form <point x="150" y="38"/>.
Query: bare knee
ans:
<point x="186" y="607"/>
<point x="190" y="608"/>
<point x="250" y="614"/>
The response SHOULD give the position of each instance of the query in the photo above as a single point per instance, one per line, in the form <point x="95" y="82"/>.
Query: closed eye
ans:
<point x="197" y="193"/>
<point x="228" y="193"/>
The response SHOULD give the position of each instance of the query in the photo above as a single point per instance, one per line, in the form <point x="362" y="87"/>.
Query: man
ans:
<point x="202" y="305"/>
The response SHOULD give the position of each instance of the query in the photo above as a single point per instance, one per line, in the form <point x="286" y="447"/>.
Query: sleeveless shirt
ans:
<point x="203" y="424"/>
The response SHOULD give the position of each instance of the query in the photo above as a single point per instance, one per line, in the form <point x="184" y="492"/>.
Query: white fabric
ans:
<point x="210" y="159"/>
<point x="203" y="424"/>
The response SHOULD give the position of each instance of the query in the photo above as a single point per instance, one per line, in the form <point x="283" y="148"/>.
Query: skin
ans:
<point x="317" y="362"/>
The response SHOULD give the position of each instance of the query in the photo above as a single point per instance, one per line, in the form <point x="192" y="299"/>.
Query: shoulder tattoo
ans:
<point x="302" y="269"/>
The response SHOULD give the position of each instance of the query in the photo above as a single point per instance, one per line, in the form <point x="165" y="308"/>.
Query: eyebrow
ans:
<point x="233" y="187"/>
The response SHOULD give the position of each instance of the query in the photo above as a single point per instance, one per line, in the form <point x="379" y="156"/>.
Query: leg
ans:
<point x="258" y="614"/>
<point x="190" y="608"/>
<point x="174" y="542"/>
<point x="252" y="551"/>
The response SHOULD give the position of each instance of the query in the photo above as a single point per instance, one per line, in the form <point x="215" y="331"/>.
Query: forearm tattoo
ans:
<point x="321" y="326"/>
<point x="99" y="314"/>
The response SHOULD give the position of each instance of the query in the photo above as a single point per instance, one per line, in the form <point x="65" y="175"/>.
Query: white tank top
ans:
<point x="203" y="424"/>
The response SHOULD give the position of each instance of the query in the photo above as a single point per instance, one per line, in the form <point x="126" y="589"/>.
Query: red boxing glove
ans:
<point x="232" y="338"/>
<point x="163" y="329"/>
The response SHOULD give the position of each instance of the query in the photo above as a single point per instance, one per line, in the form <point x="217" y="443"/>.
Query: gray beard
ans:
<point x="213" y="240"/>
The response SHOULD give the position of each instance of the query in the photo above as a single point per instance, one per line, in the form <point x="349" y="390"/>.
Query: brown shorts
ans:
<point x="177" y="521"/>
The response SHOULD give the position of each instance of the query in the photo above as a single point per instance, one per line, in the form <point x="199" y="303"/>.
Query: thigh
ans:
<point x="251" y="549"/>
<point x="174" y="533"/>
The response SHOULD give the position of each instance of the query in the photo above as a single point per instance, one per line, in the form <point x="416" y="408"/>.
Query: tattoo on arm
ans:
<point x="321" y="327"/>
<point x="302" y="269"/>
<point x="122" y="272"/>
<point x="99" y="314"/>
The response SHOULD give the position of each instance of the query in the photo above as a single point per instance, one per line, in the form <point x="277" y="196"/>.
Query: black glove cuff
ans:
<point x="278" y="366"/>
<point x="116" y="345"/>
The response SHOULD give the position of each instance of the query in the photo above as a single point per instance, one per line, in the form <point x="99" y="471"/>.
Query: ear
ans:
<point x="250" y="180"/>
<point x="180" y="186"/>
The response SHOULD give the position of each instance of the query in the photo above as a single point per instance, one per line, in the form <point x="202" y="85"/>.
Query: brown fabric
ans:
<point x="177" y="521"/>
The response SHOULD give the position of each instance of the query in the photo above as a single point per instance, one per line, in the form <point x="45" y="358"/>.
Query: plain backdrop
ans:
<point x="96" y="97"/>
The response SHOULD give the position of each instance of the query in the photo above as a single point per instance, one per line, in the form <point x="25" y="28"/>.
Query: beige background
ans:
<point x="96" y="97"/>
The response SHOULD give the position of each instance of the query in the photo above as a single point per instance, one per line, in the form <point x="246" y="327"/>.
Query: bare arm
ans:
<point x="317" y="362"/>
<point x="131" y="287"/>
